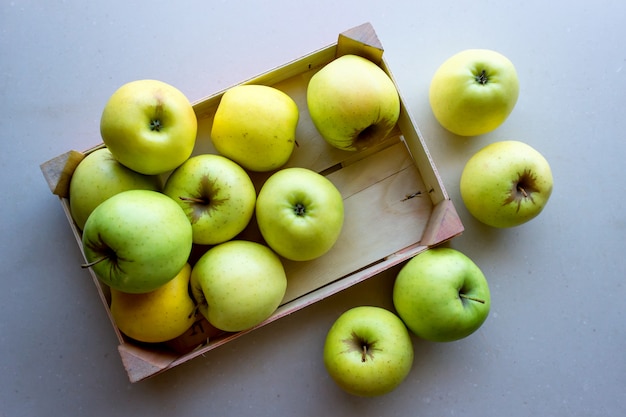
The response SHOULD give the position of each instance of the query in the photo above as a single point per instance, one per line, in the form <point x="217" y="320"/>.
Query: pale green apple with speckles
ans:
<point x="217" y="195"/>
<point x="300" y="213"/>
<point x="99" y="176"/>
<point x="442" y="295"/>
<point x="506" y="184"/>
<point x="238" y="284"/>
<point x="137" y="240"/>
<point x="368" y="351"/>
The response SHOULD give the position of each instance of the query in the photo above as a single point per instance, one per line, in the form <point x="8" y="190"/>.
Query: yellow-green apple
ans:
<point x="238" y="284"/>
<point x="352" y="102"/>
<point x="156" y="316"/>
<point x="441" y="295"/>
<point x="255" y="126"/>
<point x="217" y="195"/>
<point x="137" y="240"/>
<point x="149" y="126"/>
<point x="474" y="91"/>
<point x="299" y="213"/>
<point x="506" y="183"/>
<point x="368" y="351"/>
<point x="99" y="176"/>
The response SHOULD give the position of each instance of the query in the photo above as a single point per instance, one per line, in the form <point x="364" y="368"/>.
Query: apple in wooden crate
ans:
<point x="217" y="195"/>
<point x="352" y="102"/>
<point x="300" y="213"/>
<point x="255" y="126"/>
<point x="99" y="176"/>
<point x="149" y="126"/>
<point x="137" y="240"/>
<point x="156" y="316"/>
<point x="238" y="284"/>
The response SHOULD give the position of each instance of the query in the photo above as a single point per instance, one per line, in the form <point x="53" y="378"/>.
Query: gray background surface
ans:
<point x="555" y="340"/>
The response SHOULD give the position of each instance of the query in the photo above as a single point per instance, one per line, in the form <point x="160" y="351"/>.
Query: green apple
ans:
<point x="137" y="240"/>
<point x="255" y="126"/>
<point x="474" y="91"/>
<point x="238" y="284"/>
<point x="441" y="295"/>
<point x="368" y="351"/>
<point x="149" y="126"/>
<point x="99" y="176"/>
<point x="506" y="184"/>
<point x="299" y="213"/>
<point x="156" y="316"/>
<point x="352" y="102"/>
<point x="217" y="195"/>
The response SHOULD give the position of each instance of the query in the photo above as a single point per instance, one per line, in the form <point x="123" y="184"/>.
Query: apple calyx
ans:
<point x="522" y="189"/>
<point x="482" y="78"/>
<point x="299" y="209"/>
<point x="155" y="123"/>
<point x="357" y="343"/>
<point x="368" y="136"/>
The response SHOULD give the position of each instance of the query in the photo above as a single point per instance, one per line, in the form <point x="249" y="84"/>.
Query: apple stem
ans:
<point x="364" y="355"/>
<point x="467" y="297"/>
<point x="522" y="190"/>
<point x="94" y="262"/>
<point x="193" y="199"/>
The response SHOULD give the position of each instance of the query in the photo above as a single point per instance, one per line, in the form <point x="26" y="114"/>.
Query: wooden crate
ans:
<point x="395" y="206"/>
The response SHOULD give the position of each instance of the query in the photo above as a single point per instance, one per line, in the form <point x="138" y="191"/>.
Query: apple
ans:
<point x="255" y="126"/>
<point x="441" y="295"/>
<point x="299" y="213"/>
<point x="99" y="176"/>
<point x="474" y="91"/>
<point x="217" y="195"/>
<point x="238" y="284"/>
<point x="156" y="316"/>
<point x="352" y="102"/>
<point x="506" y="184"/>
<point x="137" y="240"/>
<point x="149" y="126"/>
<point x="368" y="351"/>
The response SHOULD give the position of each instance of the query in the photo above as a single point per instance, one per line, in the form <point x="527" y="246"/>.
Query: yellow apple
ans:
<point x="474" y="91"/>
<point x="353" y="103"/>
<point x="156" y="316"/>
<point x="255" y="126"/>
<point x="149" y="126"/>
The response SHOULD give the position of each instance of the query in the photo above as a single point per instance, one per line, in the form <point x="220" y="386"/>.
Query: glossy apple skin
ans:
<point x="294" y="235"/>
<point x="156" y="316"/>
<point x="149" y="234"/>
<point x="228" y="189"/>
<point x="352" y="102"/>
<point x="389" y="358"/>
<point x="238" y="284"/>
<point x="488" y="183"/>
<point x="426" y="295"/>
<point x="255" y="126"/>
<point x="149" y="126"/>
<point x="100" y="176"/>
<point x="467" y="107"/>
